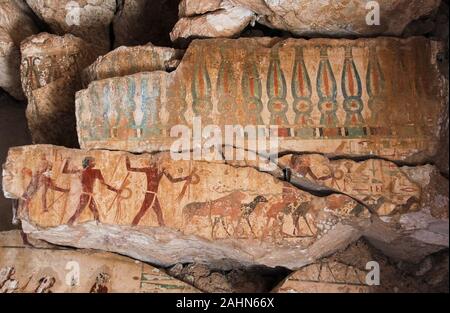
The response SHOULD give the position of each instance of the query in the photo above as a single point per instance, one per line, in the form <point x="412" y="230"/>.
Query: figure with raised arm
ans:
<point x="41" y="179"/>
<point x="154" y="174"/>
<point x="89" y="175"/>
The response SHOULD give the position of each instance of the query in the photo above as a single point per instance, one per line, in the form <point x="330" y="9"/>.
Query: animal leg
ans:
<point x="250" y="225"/>
<point x="224" y="226"/>
<point x="266" y="229"/>
<point x="213" y="226"/>
<point x="309" y="227"/>
<point x="295" y="220"/>
<point x="280" y="222"/>
<point x="236" y="227"/>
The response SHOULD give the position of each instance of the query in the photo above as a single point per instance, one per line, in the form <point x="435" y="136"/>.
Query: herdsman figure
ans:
<point x="154" y="174"/>
<point x="42" y="178"/>
<point x="88" y="177"/>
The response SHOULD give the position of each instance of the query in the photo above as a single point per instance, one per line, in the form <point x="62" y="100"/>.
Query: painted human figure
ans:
<point x="8" y="284"/>
<point x="89" y="174"/>
<point x="153" y="174"/>
<point x="42" y="178"/>
<point x="302" y="166"/>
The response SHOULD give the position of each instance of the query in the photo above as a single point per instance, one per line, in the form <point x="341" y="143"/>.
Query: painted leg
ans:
<point x="266" y="229"/>
<point x="213" y="227"/>
<point x="250" y="225"/>
<point x="225" y="227"/>
<point x="144" y="207"/>
<point x="25" y="239"/>
<point x="44" y="200"/>
<point x="309" y="227"/>
<point x="94" y="210"/>
<point x="158" y="212"/>
<point x="236" y="227"/>
<point x="83" y="201"/>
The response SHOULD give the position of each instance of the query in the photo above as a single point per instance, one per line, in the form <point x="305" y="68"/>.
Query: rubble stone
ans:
<point x="227" y="18"/>
<point x="86" y="19"/>
<point x="51" y="74"/>
<point x="131" y="60"/>
<point x="16" y="24"/>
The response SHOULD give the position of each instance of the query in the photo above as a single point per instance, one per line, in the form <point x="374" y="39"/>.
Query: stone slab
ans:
<point x="368" y="97"/>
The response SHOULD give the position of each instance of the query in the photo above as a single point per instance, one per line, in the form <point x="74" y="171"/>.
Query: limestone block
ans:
<point x="221" y="23"/>
<point x="381" y="97"/>
<point x="131" y="60"/>
<point x="412" y="202"/>
<point x="226" y="18"/>
<point x="162" y="211"/>
<point x="411" y="234"/>
<point x="15" y="25"/>
<point x="379" y="184"/>
<point x="50" y="73"/>
<point x="87" y="19"/>
<point x="192" y="7"/>
<point x="44" y="269"/>
<point x="409" y="205"/>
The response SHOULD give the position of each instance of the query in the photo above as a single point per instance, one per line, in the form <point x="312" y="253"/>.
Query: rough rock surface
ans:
<point x="441" y="32"/>
<point x="442" y="156"/>
<point x="415" y="233"/>
<point x="51" y="74"/>
<point x="255" y="279"/>
<point x="138" y="22"/>
<point x="16" y="24"/>
<point x="43" y="268"/>
<point x="87" y="19"/>
<point x="166" y="212"/>
<point x="346" y="271"/>
<point x="131" y="60"/>
<point x="381" y="97"/>
<point x="409" y="205"/>
<point x="220" y="23"/>
<point x="228" y="18"/>
<point x="381" y="185"/>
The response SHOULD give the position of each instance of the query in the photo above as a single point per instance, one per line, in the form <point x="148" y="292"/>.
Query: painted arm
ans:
<point x="52" y="185"/>
<point x="310" y="172"/>
<point x="325" y="177"/>
<point x="102" y="181"/>
<point x="133" y="169"/>
<point x="66" y="169"/>
<point x="175" y="180"/>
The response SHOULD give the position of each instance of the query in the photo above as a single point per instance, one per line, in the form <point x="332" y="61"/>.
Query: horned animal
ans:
<point x="229" y="206"/>
<point x="247" y="209"/>
<point x="300" y="210"/>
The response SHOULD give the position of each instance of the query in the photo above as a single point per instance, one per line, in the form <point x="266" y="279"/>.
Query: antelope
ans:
<point x="247" y="209"/>
<point x="274" y="213"/>
<point x="298" y="211"/>
<point x="278" y="209"/>
<point x="229" y="206"/>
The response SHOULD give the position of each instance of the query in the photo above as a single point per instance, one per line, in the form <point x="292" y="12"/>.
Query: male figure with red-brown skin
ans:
<point x="302" y="166"/>
<point x="153" y="175"/>
<point x="88" y="177"/>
